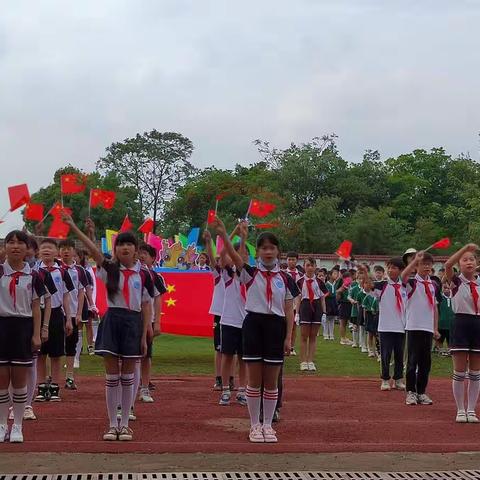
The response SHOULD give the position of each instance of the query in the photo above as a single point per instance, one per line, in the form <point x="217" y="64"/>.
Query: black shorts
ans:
<point x="120" y="334"/>
<point x="371" y="322"/>
<point x="310" y="313"/>
<point x="345" y="310"/>
<point x="54" y="347"/>
<point x="16" y="341"/>
<point x="216" y="333"/>
<point x="264" y="338"/>
<point x="231" y="340"/>
<point x="85" y="312"/>
<point x="361" y="317"/>
<point x="331" y="306"/>
<point x="465" y="333"/>
<point x="444" y="335"/>
<point x="71" y="340"/>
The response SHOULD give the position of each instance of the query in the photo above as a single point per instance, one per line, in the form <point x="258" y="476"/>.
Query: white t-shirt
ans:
<point x="391" y="310"/>
<point x="233" y="312"/>
<point x="420" y="311"/>
<point x="462" y="298"/>
<point x="218" y="298"/>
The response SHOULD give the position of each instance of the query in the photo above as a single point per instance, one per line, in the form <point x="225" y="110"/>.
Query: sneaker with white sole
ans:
<point x="16" y="435"/>
<point x="371" y="354"/>
<point x="241" y="398"/>
<point x="312" y="367"/>
<point x="354" y="345"/>
<point x="4" y="433"/>
<point x="385" y="385"/>
<point x="332" y="337"/>
<point x="293" y="353"/>
<point x="145" y="395"/>
<point x="364" y="350"/>
<point x="269" y="434"/>
<point x="125" y="434"/>
<point x="424" y="399"/>
<point x="461" y="417"/>
<point x="119" y="412"/>
<point x="76" y="363"/>
<point x="131" y="416"/>
<point x="399" y="385"/>
<point x="256" y="434"/>
<point x="411" y="399"/>
<point x="472" y="417"/>
<point x="91" y="350"/>
<point x="225" y="398"/>
<point x="111" y="435"/>
<point x="303" y="366"/>
<point x="29" y="414"/>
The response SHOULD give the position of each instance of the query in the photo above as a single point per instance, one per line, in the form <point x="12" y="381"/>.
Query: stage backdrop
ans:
<point x="185" y="305"/>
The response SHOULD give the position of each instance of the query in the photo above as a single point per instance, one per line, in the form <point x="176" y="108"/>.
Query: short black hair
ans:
<point x="427" y="258"/>
<point x="267" y="237"/>
<point x="19" y="235"/>
<point x="126" y="237"/>
<point x="152" y="251"/>
<point x="396" y="262"/>
<point x="292" y="255"/>
<point x="311" y="260"/>
<point x="66" y="243"/>
<point x="378" y="268"/>
<point x="51" y="241"/>
<point x="32" y="243"/>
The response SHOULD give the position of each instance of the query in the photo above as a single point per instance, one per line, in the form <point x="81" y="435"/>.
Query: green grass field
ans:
<point x="179" y="355"/>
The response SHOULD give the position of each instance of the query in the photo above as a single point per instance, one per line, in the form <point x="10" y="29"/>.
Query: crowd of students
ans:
<point x="47" y="297"/>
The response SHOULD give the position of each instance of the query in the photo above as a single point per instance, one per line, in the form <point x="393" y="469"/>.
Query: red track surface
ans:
<point x="319" y="415"/>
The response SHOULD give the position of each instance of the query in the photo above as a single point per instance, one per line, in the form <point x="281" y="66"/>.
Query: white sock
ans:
<point x="254" y="400"/>
<point x="78" y="348"/>
<point x="111" y="389"/>
<point x="4" y="404"/>
<point x="136" y="379"/>
<point x="19" y="398"/>
<point x="31" y="382"/>
<point x="95" y="330"/>
<point x="270" y="399"/>
<point x="355" y="336"/>
<point x="331" y="327"/>
<point x="458" y="380"/>
<point x="126" y="380"/>
<point x="473" y="389"/>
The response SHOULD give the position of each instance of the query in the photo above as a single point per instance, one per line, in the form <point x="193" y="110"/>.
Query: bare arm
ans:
<point x="290" y="320"/>
<point x="157" y="306"/>
<point x="221" y="231"/>
<point x="207" y="238"/>
<point x="411" y="267"/>
<point x="37" y="318"/>
<point x="455" y="258"/>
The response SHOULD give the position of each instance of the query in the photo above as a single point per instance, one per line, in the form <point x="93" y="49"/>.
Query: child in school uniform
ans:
<point x="352" y="292"/>
<point x="344" y="306"/>
<point x="310" y="305"/>
<point x="124" y="329"/>
<point x="465" y="332"/>
<point x="331" y="305"/>
<point x="370" y="307"/>
<point x="361" y="294"/>
<point x="201" y="263"/>
<point x="267" y="328"/>
<point x="147" y="255"/>
<point x="59" y="324"/>
<point x="294" y="271"/>
<point x="391" y="297"/>
<point x="76" y="299"/>
<point x="421" y="326"/>
<point x="20" y="292"/>
<point x="445" y="317"/>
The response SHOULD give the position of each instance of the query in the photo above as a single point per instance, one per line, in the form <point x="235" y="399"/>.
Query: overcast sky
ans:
<point x="78" y="75"/>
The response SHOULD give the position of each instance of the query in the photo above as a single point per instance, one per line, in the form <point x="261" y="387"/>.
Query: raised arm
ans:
<point x="411" y="267"/>
<point x="218" y="225"/>
<point x="455" y="258"/>
<point x="90" y="245"/>
<point x="207" y="238"/>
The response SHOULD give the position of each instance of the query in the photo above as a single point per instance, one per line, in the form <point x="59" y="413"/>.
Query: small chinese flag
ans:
<point x="57" y="210"/>
<point x="267" y="225"/>
<point x="211" y="216"/>
<point x="345" y="250"/>
<point x="71" y="183"/>
<point x="34" y="212"/>
<point x="261" y="209"/>
<point x="58" y="229"/>
<point x="146" y="226"/>
<point x="126" y="225"/>
<point x="220" y="196"/>
<point x="103" y="198"/>
<point x="19" y="195"/>
<point x="441" y="244"/>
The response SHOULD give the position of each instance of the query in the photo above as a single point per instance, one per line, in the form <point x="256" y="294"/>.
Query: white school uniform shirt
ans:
<point x="391" y="318"/>
<point x="317" y="292"/>
<point x="28" y="287"/>
<point x="89" y="269"/>
<point x="218" y="297"/>
<point x="63" y="283"/>
<point x="420" y="312"/>
<point x="138" y="293"/>
<point x="159" y="288"/>
<point x="295" y="274"/>
<point x="233" y="312"/>
<point x="462" y="298"/>
<point x="79" y="281"/>
<point x="283" y="288"/>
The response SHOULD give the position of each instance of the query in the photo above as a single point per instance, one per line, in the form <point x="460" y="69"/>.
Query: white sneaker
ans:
<point x="385" y="386"/>
<point x="3" y="433"/>
<point x="364" y="350"/>
<point x="256" y="434"/>
<point x="131" y="416"/>
<point x="371" y="354"/>
<point x="303" y="366"/>
<point x="472" y="417"/>
<point x="461" y="417"/>
<point x="76" y="363"/>
<point x="424" y="399"/>
<point x="399" y="385"/>
<point x="10" y="413"/>
<point x="411" y="399"/>
<point x="293" y="353"/>
<point x="16" y="435"/>
<point x="269" y="434"/>
<point x="29" y="414"/>
<point x="145" y="396"/>
<point x="332" y="337"/>
<point x="354" y="345"/>
<point x="312" y="367"/>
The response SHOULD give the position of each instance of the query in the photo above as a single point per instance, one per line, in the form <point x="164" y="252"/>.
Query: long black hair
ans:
<point x="113" y="268"/>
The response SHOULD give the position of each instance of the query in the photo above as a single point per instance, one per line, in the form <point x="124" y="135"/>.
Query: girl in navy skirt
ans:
<point x="20" y="292"/>
<point x="267" y="328"/>
<point x="122" y="334"/>
<point x="465" y="332"/>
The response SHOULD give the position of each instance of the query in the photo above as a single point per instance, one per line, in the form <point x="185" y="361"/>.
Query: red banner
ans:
<point x="185" y="305"/>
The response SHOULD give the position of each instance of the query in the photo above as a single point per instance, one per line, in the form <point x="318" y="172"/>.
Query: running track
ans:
<point x="319" y="415"/>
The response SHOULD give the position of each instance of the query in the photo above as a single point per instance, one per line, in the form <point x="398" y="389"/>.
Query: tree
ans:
<point x="126" y="201"/>
<point x="154" y="163"/>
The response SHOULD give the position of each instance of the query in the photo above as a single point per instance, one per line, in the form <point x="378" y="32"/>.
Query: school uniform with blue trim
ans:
<point x="265" y="326"/>
<point x="120" y="331"/>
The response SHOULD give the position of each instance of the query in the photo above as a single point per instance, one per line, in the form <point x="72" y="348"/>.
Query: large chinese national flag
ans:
<point x="185" y="305"/>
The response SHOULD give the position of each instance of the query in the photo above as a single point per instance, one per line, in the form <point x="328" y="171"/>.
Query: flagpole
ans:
<point x="4" y="215"/>
<point x="248" y="211"/>
<point x="46" y="215"/>
<point x="89" y="203"/>
<point x="216" y="206"/>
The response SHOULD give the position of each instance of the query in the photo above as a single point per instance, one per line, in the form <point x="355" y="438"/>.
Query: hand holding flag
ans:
<point x="440" y="245"/>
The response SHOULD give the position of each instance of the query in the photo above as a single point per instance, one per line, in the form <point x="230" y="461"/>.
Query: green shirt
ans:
<point x="353" y="292"/>
<point x="446" y="314"/>
<point x="370" y="303"/>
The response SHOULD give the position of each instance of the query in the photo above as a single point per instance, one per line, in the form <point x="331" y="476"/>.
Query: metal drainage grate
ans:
<point x="263" y="476"/>
<point x="25" y="477"/>
<point x="425" y="476"/>
<point x="471" y="474"/>
<point x="180" y="476"/>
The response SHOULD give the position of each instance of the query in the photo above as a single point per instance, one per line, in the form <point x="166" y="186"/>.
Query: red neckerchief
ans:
<point x="12" y="287"/>
<point x="428" y="291"/>
<point x="127" y="273"/>
<point x="474" y="293"/>
<point x="311" y="293"/>
<point x="268" y="275"/>
<point x="293" y="274"/>
<point x="398" y="296"/>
